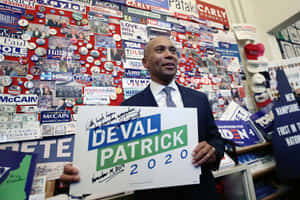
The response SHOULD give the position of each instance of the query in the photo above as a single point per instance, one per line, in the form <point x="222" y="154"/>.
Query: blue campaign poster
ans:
<point x="286" y="135"/>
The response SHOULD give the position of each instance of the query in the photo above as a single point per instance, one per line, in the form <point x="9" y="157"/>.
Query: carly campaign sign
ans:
<point x="120" y="149"/>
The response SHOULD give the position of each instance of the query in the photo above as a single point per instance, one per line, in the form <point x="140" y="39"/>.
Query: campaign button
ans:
<point x="2" y="57"/>
<point x="30" y="17"/>
<point x="28" y="84"/>
<point x="52" y="31"/>
<point x="41" y="21"/>
<point x="181" y="79"/>
<point x="84" y="21"/>
<point x="103" y="59"/>
<point x="42" y="9"/>
<point x="79" y="101"/>
<point x="83" y="69"/>
<point x="118" y="63"/>
<point x="14" y="90"/>
<point x="26" y="37"/>
<point x="29" y="77"/>
<point x="95" y="53"/>
<point x="23" y="22"/>
<point x="36" y="70"/>
<point x="77" y="16"/>
<point x="87" y="65"/>
<point x="40" y="41"/>
<point x="83" y="51"/>
<point x="109" y="66"/>
<point x="31" y="45"/>
<point x="95" y="70"/>
<point x="61" y="12"/>
<point x="89" y="46"/>
<point x="78" y="23"/>
<point x="70" y="103"/>
<point x="97" y="62"/>
<point x="112" y="27"/>
<point x="5" y="80"/>
<point x="40" y="15"/>
<point x="114" y="73"/>
<point x="118" y="90"/>
<point x="34" y="58"/>
<point x="52" y="11"/>
<point x="80" y="43"/>
<point x="40" y="51"/>
<point x="117" y="37"/>
<point x="77" y="57"/>
<point x="82" y="62"/>
<point x="20" y="82"/>
<point x="113" y="97"/>
<point x="90" y="59"/>
<point x="23" y="60"/>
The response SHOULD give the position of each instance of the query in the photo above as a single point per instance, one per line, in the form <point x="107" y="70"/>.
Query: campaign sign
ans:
<point x="16" y="174"/>
<point x="240" y="132"/>
<point x="122" y="149"/>
<point x="55" y="116"/>
<point x="133" y="31"/>
<point x="286" y="135"/>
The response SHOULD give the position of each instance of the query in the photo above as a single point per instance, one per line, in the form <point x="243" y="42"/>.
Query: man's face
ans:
<point x="161" y="60"/>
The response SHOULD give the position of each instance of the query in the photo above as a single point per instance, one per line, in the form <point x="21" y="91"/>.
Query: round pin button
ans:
<point x="89" y="46"/>
<point x="29" y="77"/>
<point x="61" y="12"/>
<point x="84" y="21"/>
<point x="30" y="17"/>
<point x="42" y="9"/>
<point x="40" y="51"/>
<point x="28" y="84"/>
<point x="31" y="45"/>
<point x="23" y="23"/>
<point x="52" y="11"/>
<point x="118" y="90"/>
<point x="90" y="59"/>
<point x="26" y="37"/>
<point x="23" y="60"/>
<point x="113" y="97"/>
<point x="40" y="15"/>
<point x="97" y="62"/>
<point x="34" y="58"/>
<point x="109" y="66"/>
<point x="83" y="51"/>
<point x="95" y="70"/>
<point x="95" y="53"/>
<point x="117" y="37"/>
<point x="52" y="31"/>
<point x="5" y="80"/>
<point x="77" y="16"/>
<point x="40" y="41"/>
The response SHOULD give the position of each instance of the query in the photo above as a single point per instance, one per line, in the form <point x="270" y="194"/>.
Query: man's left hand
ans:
<point x="203" y="153"/>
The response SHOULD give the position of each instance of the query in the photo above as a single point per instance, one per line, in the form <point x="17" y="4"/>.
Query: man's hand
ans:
<point x="203" y="153"/>
<point x="70" y="174"/>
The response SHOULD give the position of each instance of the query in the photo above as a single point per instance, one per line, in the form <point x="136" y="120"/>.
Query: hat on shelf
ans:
<point x="255" y="66"/>
<point x="258" y="83"/>
<point x="253" y="51"/>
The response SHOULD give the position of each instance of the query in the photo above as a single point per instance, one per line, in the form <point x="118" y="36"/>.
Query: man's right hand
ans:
<point x="70" y="174"/>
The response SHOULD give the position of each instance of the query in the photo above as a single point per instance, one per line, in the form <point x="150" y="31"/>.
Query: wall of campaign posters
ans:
<point x="58" y="55"/>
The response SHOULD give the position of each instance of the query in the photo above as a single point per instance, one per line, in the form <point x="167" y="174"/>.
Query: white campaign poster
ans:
<point x="119" y="149"/>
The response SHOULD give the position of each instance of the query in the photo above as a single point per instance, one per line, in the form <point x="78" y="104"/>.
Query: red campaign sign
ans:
<point x="212" y="13"/>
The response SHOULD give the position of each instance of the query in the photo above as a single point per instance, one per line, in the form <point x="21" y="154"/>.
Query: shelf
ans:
<point x="281" y="191"/>
<point x="241" y="150"/>
<point x="230" y="170"/>
<point x="263" y="171"/>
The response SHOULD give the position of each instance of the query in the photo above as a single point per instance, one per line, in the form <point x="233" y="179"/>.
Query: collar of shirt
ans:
<point x="160" y="96"/>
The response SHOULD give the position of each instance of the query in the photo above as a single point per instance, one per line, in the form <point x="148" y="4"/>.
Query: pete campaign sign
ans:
<point x="119" y="149"/>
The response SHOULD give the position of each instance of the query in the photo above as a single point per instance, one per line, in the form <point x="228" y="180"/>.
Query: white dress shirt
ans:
<point x="160" y="96"/>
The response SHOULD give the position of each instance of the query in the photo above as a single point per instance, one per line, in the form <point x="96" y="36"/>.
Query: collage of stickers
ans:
<point x="56" y="55"/>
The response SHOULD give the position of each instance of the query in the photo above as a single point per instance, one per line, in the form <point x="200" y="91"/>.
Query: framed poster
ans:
<point x="119" y="149"/>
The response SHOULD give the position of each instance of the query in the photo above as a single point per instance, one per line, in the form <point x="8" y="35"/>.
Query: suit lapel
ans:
<point x="148" y="98"/>
<point x="187" y="102"/>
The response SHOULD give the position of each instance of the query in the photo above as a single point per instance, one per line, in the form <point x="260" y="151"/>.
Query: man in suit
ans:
<point x="160" y="58"/>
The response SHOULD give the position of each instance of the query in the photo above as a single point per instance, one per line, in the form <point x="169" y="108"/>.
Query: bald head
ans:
<point x="152" y="42"/>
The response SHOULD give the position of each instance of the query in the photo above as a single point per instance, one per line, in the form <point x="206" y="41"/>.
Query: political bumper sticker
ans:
<point x="128" y="148"/>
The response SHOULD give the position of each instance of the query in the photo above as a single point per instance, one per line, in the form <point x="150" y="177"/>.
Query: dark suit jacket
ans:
<point x="207" y="130"/>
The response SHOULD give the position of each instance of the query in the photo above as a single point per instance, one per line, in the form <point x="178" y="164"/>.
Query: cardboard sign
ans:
<point x="286" y="135"/>
<point x="122" y="149"/>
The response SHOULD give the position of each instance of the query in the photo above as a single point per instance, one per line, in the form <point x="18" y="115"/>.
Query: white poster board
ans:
<point x="119" y="149"/>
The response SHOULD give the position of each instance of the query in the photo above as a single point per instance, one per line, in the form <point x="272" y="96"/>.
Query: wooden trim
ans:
<point x="241" y="150"/>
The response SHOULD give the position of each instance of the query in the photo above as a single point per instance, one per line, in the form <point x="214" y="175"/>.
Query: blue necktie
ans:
<point x="169" y="101"/>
